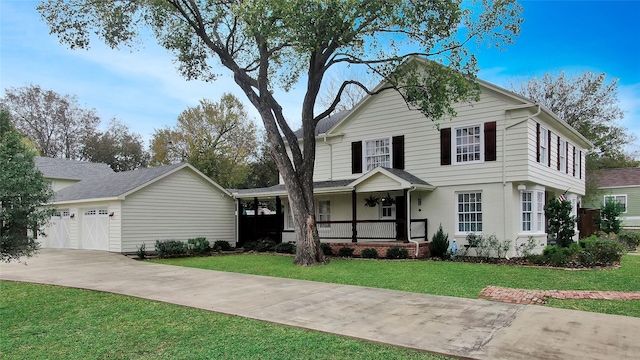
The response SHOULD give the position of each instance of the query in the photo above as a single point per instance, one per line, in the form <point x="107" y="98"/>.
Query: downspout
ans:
<point x="409" y="221"/>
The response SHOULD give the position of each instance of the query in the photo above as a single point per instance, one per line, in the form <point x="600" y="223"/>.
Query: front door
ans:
<point x="401" y="218"/>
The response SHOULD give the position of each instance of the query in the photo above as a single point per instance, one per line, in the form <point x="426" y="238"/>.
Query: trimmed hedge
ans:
<point x="286" y="248"/>
<point x="369" y="253"/>
<point x="396" y="252"/>
<point x="170" y="248"/>
<point x="345" y="252"/>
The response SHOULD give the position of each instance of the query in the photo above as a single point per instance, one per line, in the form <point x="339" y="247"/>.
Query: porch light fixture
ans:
<point x="72" y="216"/>
<point x="522" y="187"/>
<point x="388" y="200"/>
<point x="111" y="214"/>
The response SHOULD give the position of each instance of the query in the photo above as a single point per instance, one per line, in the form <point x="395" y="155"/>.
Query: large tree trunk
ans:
<point x="308" y="249"/>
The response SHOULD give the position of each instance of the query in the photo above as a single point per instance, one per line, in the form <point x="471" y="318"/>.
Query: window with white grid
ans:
<point x="620" y="199"/>
<point x="377" y="153"/>
<point x="324" y="214"/>
<point x="544" y="146"/>
<point x="468" y="144"/>
<point x="532" y="211"/>
<point x="469" y="212"/>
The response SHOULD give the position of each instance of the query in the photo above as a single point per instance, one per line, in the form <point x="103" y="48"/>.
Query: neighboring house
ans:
<point x="386" y="173"/>
<point x="622" y="186"/>
<point x="119" y="212"/>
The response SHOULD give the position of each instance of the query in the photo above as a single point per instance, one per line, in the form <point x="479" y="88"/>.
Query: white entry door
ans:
<point x="58" y="230"/>
<point x="95" y="229"/>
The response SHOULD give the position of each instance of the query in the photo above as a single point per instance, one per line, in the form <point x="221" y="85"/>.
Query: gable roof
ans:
<point x="118" y="185"/>
<point x="325" y="123"/>
<point x="56" y="168"/>
<point x="611" y="178"/>
<point x="404" y="178"/>
<point x="525" y="102"/>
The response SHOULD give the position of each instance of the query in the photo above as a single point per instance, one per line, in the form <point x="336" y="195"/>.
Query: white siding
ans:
<point x="180" y="206"/>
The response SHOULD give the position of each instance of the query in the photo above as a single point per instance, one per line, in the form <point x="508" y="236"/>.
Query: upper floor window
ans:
<point x="469" y="212"/>
<point x="468" y="144"/>
<point x="562" y="155"/>
<point x="543" y="146"/>
<point x="620" y="199"/>
<point x="377" y="153"/>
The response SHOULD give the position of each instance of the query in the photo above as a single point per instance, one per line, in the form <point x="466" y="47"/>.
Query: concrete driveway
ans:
<point x="470" y="328"/>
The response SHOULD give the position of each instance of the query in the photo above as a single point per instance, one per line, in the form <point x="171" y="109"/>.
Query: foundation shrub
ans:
<point x="222" y="245"/>
<point x="250" y="246"/>
<point x="170" y="248"/>
<point x="396" y="252"/>
<point x="439" y="244"/>
<point x="286" y="248"/>
<point x="630" y="238"/>
<point x="265" y="245"/>
<point x="141" y="252"/>
<point x="369" y="253"/>
<point x="326" y="249"/>
<point x="603" y="252"/>
<point x="345" y="252"/>
<point x="198" y="246"/>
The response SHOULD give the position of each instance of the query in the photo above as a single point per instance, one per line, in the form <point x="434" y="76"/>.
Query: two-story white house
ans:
<point x="386" y="173"/>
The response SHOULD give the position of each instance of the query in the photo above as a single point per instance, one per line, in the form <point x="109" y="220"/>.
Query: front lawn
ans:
<point x="433" y="277"/>
<point x="50" y="322"/>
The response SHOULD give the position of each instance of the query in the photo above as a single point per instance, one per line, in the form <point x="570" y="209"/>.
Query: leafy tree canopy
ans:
<point x="590" y="105"/>
<point x="55" y="123"/>
<point x="23" y="192"/>
<point x="218" y="138"/>
<point x="121" y="149"/>
<point x="270" y="44"/>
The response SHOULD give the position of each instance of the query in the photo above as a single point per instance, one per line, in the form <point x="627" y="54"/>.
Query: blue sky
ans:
<point x="143" y="90"/>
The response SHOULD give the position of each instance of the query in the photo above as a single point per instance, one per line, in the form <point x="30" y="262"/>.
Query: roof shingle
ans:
<point x="608" y="178"/>
<point x="56" y="168"/>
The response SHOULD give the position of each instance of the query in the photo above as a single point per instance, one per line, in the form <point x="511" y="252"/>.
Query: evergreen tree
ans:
<point x="609" y="220"/>
<point x="23" y="192"/>
<point x="561" y="223"/>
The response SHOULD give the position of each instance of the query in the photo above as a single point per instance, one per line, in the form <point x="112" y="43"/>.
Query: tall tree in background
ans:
<point x="56" y="123"/>
<point x="270" y="44"/>
<point x="218" y="138"/>
<point x="590" y="105"/>
<point x="121" y="149"/>
<point x="23" y="192"/>
<point x="263" y="171"/>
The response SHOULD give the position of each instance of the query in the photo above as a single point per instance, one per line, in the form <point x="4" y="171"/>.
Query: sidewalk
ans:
<point x="470" y="328"/>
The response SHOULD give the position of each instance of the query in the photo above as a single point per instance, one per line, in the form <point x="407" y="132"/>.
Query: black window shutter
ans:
<point x="580" y="163"/>
<point x="549" y="147"/>
<point x="566" y="157"/>
<point x="574" y="161"/>
<point x="356" y="157"/>
<point x="537" y="142"/>
<point x="398" y="152"/>
<point x="558" y="152"/>
<point x="490" y="141"/>
<point x="445" y="146"/>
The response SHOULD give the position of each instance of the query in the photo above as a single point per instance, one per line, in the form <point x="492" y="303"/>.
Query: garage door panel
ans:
<point x="57" y="233"/>
<point x="95" y="229"/>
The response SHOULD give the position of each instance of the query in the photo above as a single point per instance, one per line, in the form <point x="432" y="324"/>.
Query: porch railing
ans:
<point x="372" y="229"/>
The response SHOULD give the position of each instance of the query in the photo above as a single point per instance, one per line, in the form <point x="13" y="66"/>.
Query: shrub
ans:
<point x="250" y="246"/>
<point x="170" y="248"/>
<point x="500" y="248"/>
<point x="396" y="252"/>
<point x="439" y="244"/>
<point x="141" y="252"/>
<point x="222" y="245"/>
<point x="265" y="245"/>
<point x="603" y="252"/>
<point x="609" y="220"/>
<point x="345" y="252"/>
<point x="630" y="238"/>
<point x="561" y="223"/>
<point x="286" y="248"/>
<point x="369" y="253"/>
<point x="525" y="249"/>
<point x="198" y="246"/>
<point x="326" y="249"/>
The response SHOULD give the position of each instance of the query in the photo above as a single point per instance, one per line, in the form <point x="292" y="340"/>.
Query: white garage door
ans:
<point x="58" y="230"/>
<point x="95" y="229"/>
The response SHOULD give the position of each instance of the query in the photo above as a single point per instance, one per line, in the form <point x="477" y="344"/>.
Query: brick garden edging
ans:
<point x="539" y="297"/>
<point x="382" y="248"/>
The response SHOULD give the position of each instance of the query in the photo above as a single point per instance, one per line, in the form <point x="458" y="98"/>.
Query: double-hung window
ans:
<point x="468" y="144"/>
<point x="544" y="146"/>
<point x="324" y="214"/>
<point x="532" y="211"/>
<point x="377" y="153"/>
<point x="562" y="153"/>
<point x="620" y="199"/>
<point x="469" y="212"/>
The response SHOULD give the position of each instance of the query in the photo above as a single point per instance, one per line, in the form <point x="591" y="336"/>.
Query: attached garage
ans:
<point x="119" y="212"/>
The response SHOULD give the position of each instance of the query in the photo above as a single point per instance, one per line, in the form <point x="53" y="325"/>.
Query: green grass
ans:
<point x="49" y="322"/>
<point x="433" y="277"/>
